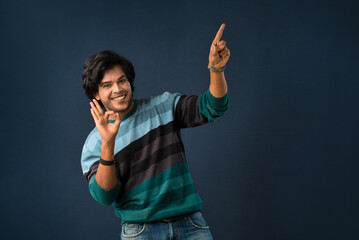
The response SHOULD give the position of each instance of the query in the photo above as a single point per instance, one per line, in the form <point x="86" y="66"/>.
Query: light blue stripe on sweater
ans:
<point x="149" y="108"/>
<point x="91" y="150"/>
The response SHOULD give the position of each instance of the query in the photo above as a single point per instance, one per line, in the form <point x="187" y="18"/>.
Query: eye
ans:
<point x="122" y="80"/>
<point x="106" y="85"/>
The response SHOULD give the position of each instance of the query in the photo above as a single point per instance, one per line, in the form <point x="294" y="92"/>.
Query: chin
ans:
<point x="122" y="109"/>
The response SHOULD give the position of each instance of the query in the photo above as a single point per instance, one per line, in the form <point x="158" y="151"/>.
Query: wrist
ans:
<point x="107" y="150"/>
<point x="108" y="142"/>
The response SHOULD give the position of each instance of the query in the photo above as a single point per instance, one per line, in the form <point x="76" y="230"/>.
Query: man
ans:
<point x="134" y="159"/>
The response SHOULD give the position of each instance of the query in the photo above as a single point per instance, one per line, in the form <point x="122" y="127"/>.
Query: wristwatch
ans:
<point x="216" y="69"/>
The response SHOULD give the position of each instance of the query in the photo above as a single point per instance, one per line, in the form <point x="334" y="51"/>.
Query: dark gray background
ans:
<point x="281" y="164"/>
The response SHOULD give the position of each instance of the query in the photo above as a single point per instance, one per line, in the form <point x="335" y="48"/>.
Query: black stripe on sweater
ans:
<point x="155" y="159"/>
<point x="187" y="112"/>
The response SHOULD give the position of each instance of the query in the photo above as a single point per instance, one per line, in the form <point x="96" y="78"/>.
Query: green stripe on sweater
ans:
<point x="189" y="204"/>
<point x="154" y="183"/>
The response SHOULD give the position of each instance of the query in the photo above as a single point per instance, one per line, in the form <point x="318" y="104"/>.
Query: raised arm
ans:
<point x="218" y="57"/>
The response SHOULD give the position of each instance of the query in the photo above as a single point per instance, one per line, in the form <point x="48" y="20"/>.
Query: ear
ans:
<point x="96" y="96"/>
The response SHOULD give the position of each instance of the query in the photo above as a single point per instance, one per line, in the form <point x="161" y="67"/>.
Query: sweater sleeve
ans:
<point x="90" y="157"/>
<point x="103" y="196"/>
<point x="211" y="107"/>
<point x="187" y="112"/>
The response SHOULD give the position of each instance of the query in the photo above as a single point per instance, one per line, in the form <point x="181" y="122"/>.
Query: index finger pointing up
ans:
<point x="219" y="34"/>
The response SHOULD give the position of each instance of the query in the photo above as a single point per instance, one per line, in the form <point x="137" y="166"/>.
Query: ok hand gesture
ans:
<point x="219" y="53"/>
<point x="107" y="130"/>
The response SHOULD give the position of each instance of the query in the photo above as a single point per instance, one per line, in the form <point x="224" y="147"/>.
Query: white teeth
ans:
<point x="120" y="98"/>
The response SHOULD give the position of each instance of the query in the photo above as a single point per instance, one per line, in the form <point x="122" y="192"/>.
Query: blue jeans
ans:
<point x="190" y="227"/>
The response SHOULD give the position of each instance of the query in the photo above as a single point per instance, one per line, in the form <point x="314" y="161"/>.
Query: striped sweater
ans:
<point x="153" y="177"/>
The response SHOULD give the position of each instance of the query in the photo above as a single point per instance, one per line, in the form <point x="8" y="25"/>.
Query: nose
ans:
<point x="117" y="87"/>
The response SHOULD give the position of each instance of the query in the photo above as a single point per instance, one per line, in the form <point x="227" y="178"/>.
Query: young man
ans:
<point x="134" y="159"/>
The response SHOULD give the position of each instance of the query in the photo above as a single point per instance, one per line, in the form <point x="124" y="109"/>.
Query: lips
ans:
<point x="119" y="99"/>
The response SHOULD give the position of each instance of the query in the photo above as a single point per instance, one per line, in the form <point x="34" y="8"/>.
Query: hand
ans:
<point x="107" y="130"/>
<point x="219" y="53"/>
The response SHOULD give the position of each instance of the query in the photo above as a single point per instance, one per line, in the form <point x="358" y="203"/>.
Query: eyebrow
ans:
<point x="103" y="83"/>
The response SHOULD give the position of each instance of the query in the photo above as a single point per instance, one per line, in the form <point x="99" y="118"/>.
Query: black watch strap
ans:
<point x="107" y="163"/>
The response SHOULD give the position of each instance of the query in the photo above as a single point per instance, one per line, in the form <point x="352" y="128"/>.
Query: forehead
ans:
<point x="113" y="74"/>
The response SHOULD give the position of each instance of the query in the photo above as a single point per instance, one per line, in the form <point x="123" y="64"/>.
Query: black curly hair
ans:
<point x="96" y="66"/>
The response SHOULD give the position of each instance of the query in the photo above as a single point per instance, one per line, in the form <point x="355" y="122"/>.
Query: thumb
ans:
<point x="219" y="48"/>
<point x="118" y="119"/>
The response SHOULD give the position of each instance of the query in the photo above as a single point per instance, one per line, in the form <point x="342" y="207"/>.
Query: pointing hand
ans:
<point x="219" y="53"/>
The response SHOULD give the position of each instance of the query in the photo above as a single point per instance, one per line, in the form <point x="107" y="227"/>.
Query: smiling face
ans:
<point x="115" y="92"/>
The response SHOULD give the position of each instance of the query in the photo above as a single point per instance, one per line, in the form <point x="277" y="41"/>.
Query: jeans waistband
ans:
<point x="171" y="219"/>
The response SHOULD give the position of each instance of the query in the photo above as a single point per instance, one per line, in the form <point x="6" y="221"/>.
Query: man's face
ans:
<point x="115" y="92"/>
